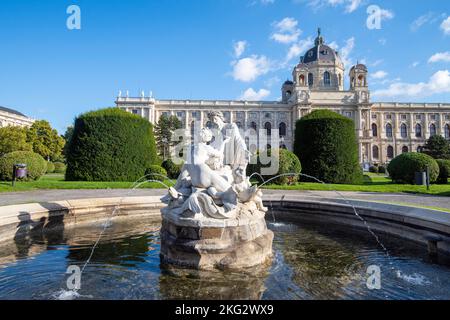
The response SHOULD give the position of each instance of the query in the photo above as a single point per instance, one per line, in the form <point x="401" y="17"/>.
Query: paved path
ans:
<point x="356" y="197"/>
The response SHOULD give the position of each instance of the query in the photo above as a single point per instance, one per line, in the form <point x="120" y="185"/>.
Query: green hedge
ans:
<point x="36" y="165"/>
<point x="444" y="171"/>
<point x="325" y="142"/>
<point x="381" y="169"/>
<point x="155" y="172"/>
<point x="50" y="167"/>
<point x="173" y="170"/>
<point x="402" y="168"/>
<point x="110" y="145"/>
<point x="288" y="163"/>
<point x="373" y="169"/>
<point x="60" y="167"/>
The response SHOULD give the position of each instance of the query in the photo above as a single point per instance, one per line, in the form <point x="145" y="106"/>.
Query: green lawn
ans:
<point x="372" y="183"/>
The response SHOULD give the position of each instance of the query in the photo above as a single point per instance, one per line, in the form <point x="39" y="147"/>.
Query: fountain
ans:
<point x="214" y="218"/>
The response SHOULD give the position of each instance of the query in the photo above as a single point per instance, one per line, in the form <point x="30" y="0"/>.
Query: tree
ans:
<point x="110" y="145"/>
<point x="13" y="138"/>
<point x="45" y="140"/>
<point x="67" y="138"/>
<point x="325" y="142"/>
<point x="437" y="147"/>
<point x="163" y="133"/>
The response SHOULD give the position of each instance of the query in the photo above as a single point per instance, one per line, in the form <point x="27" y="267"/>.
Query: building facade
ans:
<point x="383" y="130"/>
<point x="10" y="117"/>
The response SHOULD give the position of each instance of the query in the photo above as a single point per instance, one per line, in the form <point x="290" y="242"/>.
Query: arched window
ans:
<point x="209" y="125"/>
<point x="340" y="79"/>
<point x="390" y="152"/>
<point x="283" y="146"/>
<point x="388" y="130"/>
<point x="418" y="131"/>
<point x="405" y="149"/>
<point x="310" y="79"/>
<point x="404" y="130"/>
<point x="253" y="125"/>
<point x="326" y="79"/>
<point x="282" y="129"/>
<point x="375" y="152"/>
<point x="268" y="127"/>
<point x="374" y="130"/>
<point x="432" y="129"/>
<point x="239" y="124"/>
<point x="447" y="131"/>
<point x="360" y="80"/>
<point x="302" y="80"/>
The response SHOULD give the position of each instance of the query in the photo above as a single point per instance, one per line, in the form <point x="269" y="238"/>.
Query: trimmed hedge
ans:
<point x="402" y="168"/>
<point x="173" y="170"/>
<point x="155" y="172"/>
<point x="381" y="169"/>
<point x="36" y="165"/>
<point x="325" y="142"/>
<point x="373" y="169"/>
<point x="50" y="167"/>
<point x="288" y="163"/>
<point x="110" y="145"/>
<point x="444" y="171"/>
<point x="60" y="167"/>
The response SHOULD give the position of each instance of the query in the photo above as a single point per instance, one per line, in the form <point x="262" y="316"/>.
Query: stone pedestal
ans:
<point x="206" y="243"/>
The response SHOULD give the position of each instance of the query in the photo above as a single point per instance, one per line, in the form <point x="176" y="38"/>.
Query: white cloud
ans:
<point x="345" y="51"/>
<point x="350" y="5"/>
<point x="377" y="62"/>
<point x="286" y="31"/>
<point x="252" y="95"/>
<point x="266" y="1"/>
<point x="445" y="26"/>
<point x="438" y="83"/>
<point x="379" y="74"/>
<point x="239" y="48"/>
<point x="386" y="14"/>
<point x="440" y="57"/>
<point x="250" y="68"/>
<point x="298" y="48"/>
<point x="415" y="64"/>
<point x="420" y="21"/>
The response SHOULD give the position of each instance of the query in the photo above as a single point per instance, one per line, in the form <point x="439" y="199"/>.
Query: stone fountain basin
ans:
<point x="415" y="224"/>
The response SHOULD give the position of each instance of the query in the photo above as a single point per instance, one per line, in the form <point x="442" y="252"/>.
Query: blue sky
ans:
<point x="210" y="49"/>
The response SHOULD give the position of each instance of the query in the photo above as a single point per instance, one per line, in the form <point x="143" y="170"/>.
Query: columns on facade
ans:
<point x="425" y="129"/>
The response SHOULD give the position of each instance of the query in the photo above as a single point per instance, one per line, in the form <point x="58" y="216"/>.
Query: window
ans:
<point x="418" y="131"/>
<point x="403" y="116"/>
<point x="340" y="79"/>
<point x="310" y="79"/>
<point x="267" y="115"/>
<point x="390" y="152"/>
<point x="375" y="152"/>
<point x="374" y="130"/>
<point x="180" y="114"/>
<point x="404" y="130"/>
<point x="282" y="129"/>
<point x="432" y="129"/>
<point x="433" y="117"/>
<point x="268" y="127"/>
<point x="239" y="124"/>
<point x="405" y="149"/>
<point x="374" y="116"/>
<point x="388" y="116"/>
<point x="418" y="117"/>
<point x="302" y="80"/>
<point x="283" y="146"/>
<point x="134" y="111"/>
<point x="253" y="125"/>
<point x="348" y="114"/>
<point x="326" y="79"/>
<point x="447" y="131"/>
<point x="195" y="114"/>
<point x="388" y="130"/>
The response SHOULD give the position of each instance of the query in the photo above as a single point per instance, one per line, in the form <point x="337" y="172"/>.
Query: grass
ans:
<point x="372" y="183"/>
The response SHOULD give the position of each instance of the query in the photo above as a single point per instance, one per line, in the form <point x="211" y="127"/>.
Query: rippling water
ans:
<point x="310" y="261"/>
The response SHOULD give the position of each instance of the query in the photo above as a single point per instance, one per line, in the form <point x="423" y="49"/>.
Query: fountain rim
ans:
<point x="415" y="224"/>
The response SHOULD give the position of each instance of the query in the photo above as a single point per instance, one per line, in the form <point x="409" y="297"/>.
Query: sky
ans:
<point x="211" y="49"/>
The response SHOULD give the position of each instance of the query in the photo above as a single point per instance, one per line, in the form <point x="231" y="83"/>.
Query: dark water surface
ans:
<point x="311" y="261"/>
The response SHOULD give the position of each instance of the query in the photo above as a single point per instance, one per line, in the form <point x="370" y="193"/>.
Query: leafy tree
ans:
<point x="437" y="147"/>
<point x="67" y="138"/>
<point x="402" y="168"/>
<point x="163" y="134"/>
<point x="45" y="140"/>
<point x="13" y="138"/>
<point x="325" y="142"/>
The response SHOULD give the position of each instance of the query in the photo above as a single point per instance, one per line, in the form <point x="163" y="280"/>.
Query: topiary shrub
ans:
<point x="381" y="169"/>
<point x="155" y="172"/>
<point x="36" y="165"/>
<point x="173" y="170"/>
<point x="50" y="167"/>
<point x="110" y="145"/>
<point x="444" y="171"/>
<point x="402" y="168"/>
<point x="373" y="169"/>
<point x="287" y="163"/>
<point x="325" y="142"/>
<point x="60" y="167"/>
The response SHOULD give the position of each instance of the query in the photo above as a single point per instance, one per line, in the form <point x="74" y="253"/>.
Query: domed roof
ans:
<point x="288" y="83"/>
<point x="359" y="66"/>
<point x="321" y="53"/>
<point x="12" y="111"/>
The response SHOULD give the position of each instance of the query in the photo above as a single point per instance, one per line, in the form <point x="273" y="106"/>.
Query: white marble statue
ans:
<point x="213" y="180"/>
